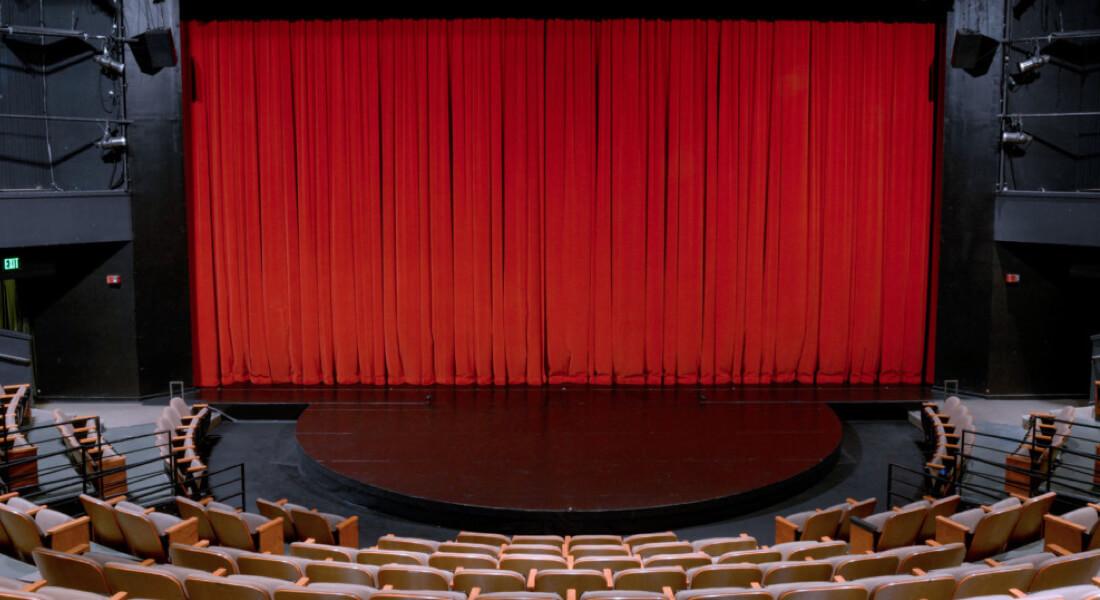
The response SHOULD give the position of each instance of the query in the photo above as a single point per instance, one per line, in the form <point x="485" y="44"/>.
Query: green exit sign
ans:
<point x="11" y="263"/>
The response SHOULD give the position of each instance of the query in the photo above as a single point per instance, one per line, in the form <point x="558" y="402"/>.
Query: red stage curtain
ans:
<point x="529" y="202"/>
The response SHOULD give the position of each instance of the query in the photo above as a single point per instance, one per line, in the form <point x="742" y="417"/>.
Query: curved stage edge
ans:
<point x="505" y="460"/>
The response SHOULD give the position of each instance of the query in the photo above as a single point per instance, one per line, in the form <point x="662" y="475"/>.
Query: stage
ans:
<point x="574" y="459"/>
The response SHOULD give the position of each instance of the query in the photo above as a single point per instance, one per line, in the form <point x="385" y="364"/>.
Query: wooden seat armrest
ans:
<point x="347" y="532"/>
<point x="70" y="535"/>
<point x="200" y="405"/>
<point x="83" y="429"/>
<point x="474" y="592"/>
<point x="270" y="536"/>
<point x="609" y="578"/>
<point x="280" y="501"/>
<point x="992" y="563"/>
<point x="936" y="466"/>
<point x="33" y="511"/>
<point x="8" y="496"/>
<point x="1015" y="593"/>
<point x="150" y="510"/>
<point x="669" y="594"/>
<point x="302" y="581"/>
<point x="148" y="562"/>
<point x="188" y="417"/>
<point x="34" y="587"/>
<point x="531" y="578"/>
<point x="206" y="500"/>
<point x="196" y="469"/>
<point x="116" y="499"/>
<point x="220" y="572"/>
<point x="182" y="438"/>
<point x="933" y="543"/>
<point x="184" y="448"/>
<point x="919" y="572"/>
<point x="950" y="532"/>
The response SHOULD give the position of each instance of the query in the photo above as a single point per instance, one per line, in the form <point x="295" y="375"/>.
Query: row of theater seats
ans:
<point x="15" y="447"/>
<point x="1038" y="453"/>
<point x="181" y="439"/>
<point x="233" y="554"/>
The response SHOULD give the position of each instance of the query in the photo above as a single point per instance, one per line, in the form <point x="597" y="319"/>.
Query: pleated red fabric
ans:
<point x="499" y="202"/>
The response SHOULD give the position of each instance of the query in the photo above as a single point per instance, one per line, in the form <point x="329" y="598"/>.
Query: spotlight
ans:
<point x="1033" y="63"/>
<point x="113" y="142"/>
<point x="1016" y="138"/>
<point x="110" y="65"/>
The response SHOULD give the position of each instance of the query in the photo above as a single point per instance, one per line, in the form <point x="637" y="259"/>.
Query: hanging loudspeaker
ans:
<point x="154" y="50"/>
<point x="973" y="52"/>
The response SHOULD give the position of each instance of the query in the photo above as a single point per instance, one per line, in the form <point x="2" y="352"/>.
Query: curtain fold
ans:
<point x="501" y="201"/>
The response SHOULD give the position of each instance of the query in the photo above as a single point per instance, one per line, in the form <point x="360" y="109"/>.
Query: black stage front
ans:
<point x="574" y="459"/>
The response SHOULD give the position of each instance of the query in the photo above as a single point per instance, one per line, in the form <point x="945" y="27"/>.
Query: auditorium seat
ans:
<point x="862" y="566"/>
<point x="655" y="579"/>
<point x="983" y="530"/>
<point x="287" y="568"/>
<point x="470" y="548"/>
<point x="657" y="537"/>
<point x="524" y="563"/>
<point x="810" y="525"/>
<point x="890" y="529"/>
<point x="63" y="569"/>
<point x="814" y="550"/>
<point x="209" y="558"/>
<point x="489" y="539"/>
<point x="1029" y="526"/>
<point x="927" y="557"/>
<point x="301" y="523"/>
<point x="1074" y="531"/>
<point x="374" y="556"/>
<point x="1072" y="569"/>
<point x="599" y="550"/>
<point x="450" y="561"/>
<point x="331" y="591"/>
<point x="612" y="563"/>
<point x="836" y="592"/>
<point x="724" y="576"/>
<point x="734" y="593"/>
<point x="550" y="540"/>
<point x="149" y="533"/>
<point x="937" y="507"/>
<point x="316" y="551"/>
<point x="90" y="454"/>
<point x="234" y="587"/>
<point x="654" y="548"/>
<point x="687" y="560"/>
<point x="31" y="527"/>
<point x="246" y="531"/>
<point x="105" y="527"/>
<point x="596" y="540"/>
<point x="333" y="572"/>
<point x="718" y="546"/>
<point x="522" y="596"/>
<point x="762" y="555"/>
<point x="161" y="582"/>
<point x="486" y="581"/>
<point x="416" y="595"/>
<point x="622" y="595"/>
<point x="562" y="581"/>
<point x="406" y="544"/>
<point x="188" y="508"/>
<point x="546" y="549"/>
<point x="904" y="587"/>
<point x="414" y="577"/>
<point x="796" y="571"/>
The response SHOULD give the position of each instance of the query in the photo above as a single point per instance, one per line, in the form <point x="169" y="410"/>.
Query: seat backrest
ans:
<point x="991" y="533"/>
<point x="795" y="571"/>
<point x="1074" y="569"/>
<point x="861" y="567"/>
<point x="231" y="529"/>
<point x="611" y="563"/>
<point x="651" y="580"/>
<point x="823" y="524"/>
<point x="599" y="550"/>
<point x="221" y="588"/>
<point x="449" y="561"/>
<point x="818" y="550"/>
<point x="560" y="581"/>
<point x="332" y="572"/>
<point x="1030" y="524"/>
<point x="407" y="544"/>
<point x="931" y="558"/>
<point x="469" y="548"/>
<point x="204" y="559"/>
<point x="22" y="530"/>
<point x="545" y="549"/>
<point x="686" y="561"/>
<point x="719" y="546"/>
<point x="310" y="524"/>
<point x="940" y="507"/>
<point x="374" y="556"/>
<point x="477" y="537"/>
<point x="414" y="577"/>
<point x="322" y="552"/>
<point x="836" y="592"/>
<point x="551" y="540"/>
<point x="721" y="576"/>
<point x="902" y="528"/>
<point x="104" y="523"/>
<point x="999" y="580"/>
<point x="716" y="594"/>
<point x="639" y="539"/>
<point x="141" y="535"/>
<point x="70" y="571"/>
<point x="596" y="540"/>
<point x="271" y="510"/>
<point x="523" y="563"/>
<point x="655" y="548"/>
<point x="760" y="556"/>
<point x="189" y="508"/>
<point x="488" y="581"/>
<point x="917" y="588"/>
<point x="143" y="582"/>
<point x="266" y="565"/>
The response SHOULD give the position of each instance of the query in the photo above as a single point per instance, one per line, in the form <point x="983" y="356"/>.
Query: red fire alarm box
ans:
<point x="114" y="280"/>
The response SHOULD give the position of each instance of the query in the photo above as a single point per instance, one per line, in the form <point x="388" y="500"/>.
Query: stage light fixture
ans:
<point x="1033" y="62"/>
<point x="109" y="65"/>
<point x="1016" y="138"/>
<point x="112" y="142"/>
